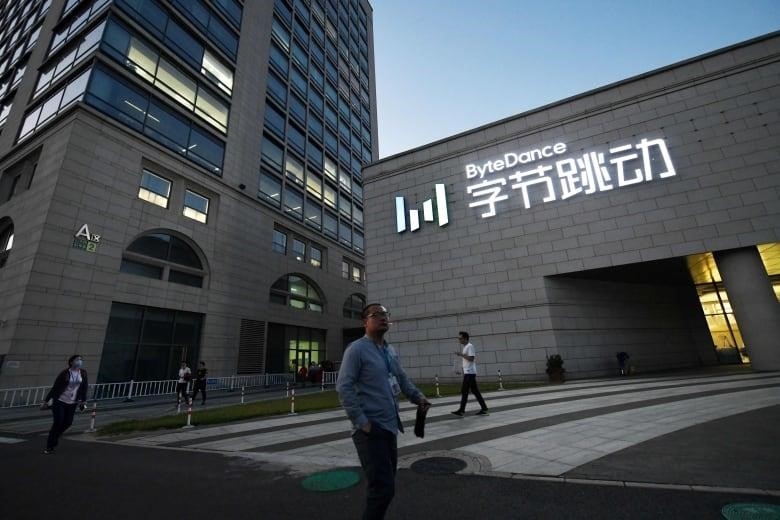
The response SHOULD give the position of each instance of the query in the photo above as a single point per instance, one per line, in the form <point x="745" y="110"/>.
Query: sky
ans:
<point x="447" y="66"/>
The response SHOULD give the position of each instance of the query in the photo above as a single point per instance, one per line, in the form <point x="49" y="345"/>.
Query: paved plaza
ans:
<point x="700" y="439"/>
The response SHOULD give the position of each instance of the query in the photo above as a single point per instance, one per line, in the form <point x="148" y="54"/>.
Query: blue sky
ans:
<point x="446" y="66"/>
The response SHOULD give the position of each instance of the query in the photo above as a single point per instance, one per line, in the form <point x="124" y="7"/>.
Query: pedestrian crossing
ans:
<point x="539" y="431"/>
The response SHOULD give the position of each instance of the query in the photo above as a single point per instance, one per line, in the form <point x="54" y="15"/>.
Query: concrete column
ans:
<point x="754" y="303"/>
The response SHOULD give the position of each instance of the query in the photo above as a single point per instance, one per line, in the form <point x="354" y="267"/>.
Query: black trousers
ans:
<point x="199" y="385"/>
<point x="378" y="452"/>
<point x="63" y="418"/>
<point x="181" y="390"/>
<point x="470" y="384"/>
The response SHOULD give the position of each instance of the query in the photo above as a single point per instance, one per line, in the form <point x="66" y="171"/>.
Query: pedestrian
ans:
<point x="185" y="375"/>
<point x="469" y="376"/>
<point x="369" y="381"/>
<point x="68" y="392"/>
<point x="201" y="378"/>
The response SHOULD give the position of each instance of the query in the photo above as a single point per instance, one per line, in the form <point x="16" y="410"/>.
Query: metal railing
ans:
<point x="127" y="390"/>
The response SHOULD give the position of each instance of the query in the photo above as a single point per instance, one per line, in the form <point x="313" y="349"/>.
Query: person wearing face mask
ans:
<point x="68" y="392"/>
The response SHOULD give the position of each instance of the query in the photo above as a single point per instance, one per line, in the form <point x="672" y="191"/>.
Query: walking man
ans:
<point x="201" y="378"/>
<point x="369" y="381"/>
<point x="469" y="377"/>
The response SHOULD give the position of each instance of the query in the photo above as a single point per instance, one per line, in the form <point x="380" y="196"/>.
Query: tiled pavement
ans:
<point x="546" y="431"/>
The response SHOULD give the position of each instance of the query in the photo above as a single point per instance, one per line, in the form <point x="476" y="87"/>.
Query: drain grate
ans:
<point x="438" y="466"/>
<point x="751" y="511"/>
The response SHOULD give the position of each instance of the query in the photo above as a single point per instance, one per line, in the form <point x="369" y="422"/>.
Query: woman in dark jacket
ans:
<point x="68" y="392"/>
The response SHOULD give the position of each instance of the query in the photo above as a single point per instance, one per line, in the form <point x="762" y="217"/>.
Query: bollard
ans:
<point x="322" y="382"/>
<point x="178" y="405"/>
<point x="287" y="389"/>
<point x="129" y="396"/>
<point x="242" y="395"/>
<point x="92" y="419"/>
<point x="292" y="403"/>
<point x="437" y="385"/>
<point x="500" y="381"/>
<point x="189" y="416"/>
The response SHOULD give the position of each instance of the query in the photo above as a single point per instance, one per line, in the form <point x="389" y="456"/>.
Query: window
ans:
<point x="6" y="239"/>
<point x="353" y="307"/>
<point x="279" y="244"/>
<point x="352" y="271"/>
<point x="299" y="250"/>
<point x="270" y="189"/>
<point x="136" y="109"/>
<point x="154" y="189"/>
<point x="294" y="170"/>
<point x="296" y="292"/>
<point x="313" y="215"/>
<point x="196" y="206"/>
<point x="56" y="103"/>
<point x="331" y="224"/>
<point x="163" y="257"/>
<point x="313" y="185"/>
<point x="293" y="203"/>
<point x="272" y="154"/>
<point x="315" y="256"/>
<point x="147" y="343"/>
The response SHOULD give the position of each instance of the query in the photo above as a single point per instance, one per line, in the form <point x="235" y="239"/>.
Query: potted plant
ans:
<point x="555" y="370"/>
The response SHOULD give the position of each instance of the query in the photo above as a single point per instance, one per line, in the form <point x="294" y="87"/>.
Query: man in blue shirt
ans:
<point x="369" y="380"/>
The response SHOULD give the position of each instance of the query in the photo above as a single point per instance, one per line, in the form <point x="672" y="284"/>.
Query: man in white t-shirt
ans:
<point x="469" y="377"/>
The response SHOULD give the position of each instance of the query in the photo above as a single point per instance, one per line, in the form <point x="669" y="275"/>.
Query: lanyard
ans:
<point x="387" y="360"/>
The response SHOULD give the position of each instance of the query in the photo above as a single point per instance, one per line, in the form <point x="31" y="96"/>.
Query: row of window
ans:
<point x="16" y="26"/>
<point x="157" y="190"/>
<point x="134" y="108"/>
<point x="155" y="19"/>
<point x="291" y="202"/>
<point x="350" y="103"/>
<point x="200" y="14"/>
<point x="145" y="61"/>
<point x="146" y="114"/>
<point x="352" y="30"/>
<point x="301" y="249"/>
<point x="348" y="200"/>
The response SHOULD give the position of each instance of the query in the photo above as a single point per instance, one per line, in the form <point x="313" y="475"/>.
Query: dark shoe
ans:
<point x="458" y="413"/>
<point x="48" y="451"/>
<point x="482" y="412"/>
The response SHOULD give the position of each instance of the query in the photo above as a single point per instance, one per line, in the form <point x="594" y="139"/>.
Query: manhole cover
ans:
<point x="438" y="466"/>
<point x="331" y="480"/>
<point x="751" y="511"/>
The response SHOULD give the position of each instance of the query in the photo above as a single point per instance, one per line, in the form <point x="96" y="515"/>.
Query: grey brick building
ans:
<point x="641" y="217"/>
<point x="181" y="180"/>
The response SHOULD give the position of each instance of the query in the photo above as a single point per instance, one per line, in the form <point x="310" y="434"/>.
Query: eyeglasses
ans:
<point x="379" y="314"/>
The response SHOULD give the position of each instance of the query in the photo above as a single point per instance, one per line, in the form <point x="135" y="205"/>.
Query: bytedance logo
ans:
<point x="428" y="207"/>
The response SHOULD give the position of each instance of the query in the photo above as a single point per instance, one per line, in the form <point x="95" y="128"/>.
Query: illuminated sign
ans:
<point x="428" y="207"/>
<point x="85" y="240"/>
<point x="588" y="173"/>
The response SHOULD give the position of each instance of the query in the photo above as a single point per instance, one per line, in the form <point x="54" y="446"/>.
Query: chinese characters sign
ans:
<point x="558" y="178"/>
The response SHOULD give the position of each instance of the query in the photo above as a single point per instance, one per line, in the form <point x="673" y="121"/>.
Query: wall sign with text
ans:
<point x="85" y="240"/>
<point x="559" y="176"/>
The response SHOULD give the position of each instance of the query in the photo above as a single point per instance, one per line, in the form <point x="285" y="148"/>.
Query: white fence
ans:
<point x="33" y="396"/>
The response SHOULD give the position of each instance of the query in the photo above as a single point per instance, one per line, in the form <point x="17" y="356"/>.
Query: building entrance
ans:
<point x="726" y="337"/>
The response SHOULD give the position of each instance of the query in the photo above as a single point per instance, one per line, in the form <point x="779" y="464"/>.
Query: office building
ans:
<point x="641" y="217"/>
<point x="181" y="180"/>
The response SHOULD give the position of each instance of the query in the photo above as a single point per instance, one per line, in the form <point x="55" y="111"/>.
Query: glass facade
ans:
<point x="318" y="114"/>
